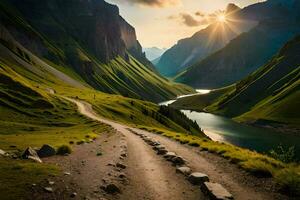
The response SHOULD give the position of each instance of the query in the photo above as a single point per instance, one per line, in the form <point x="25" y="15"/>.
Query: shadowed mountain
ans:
<point x="247" y="52"/>
<point x="89" y="41"/>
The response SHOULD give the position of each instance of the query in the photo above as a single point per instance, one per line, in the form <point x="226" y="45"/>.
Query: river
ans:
<point x="223" y="129"/>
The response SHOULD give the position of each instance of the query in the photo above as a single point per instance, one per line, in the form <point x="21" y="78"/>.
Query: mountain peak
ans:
<point x="231" y="7"/>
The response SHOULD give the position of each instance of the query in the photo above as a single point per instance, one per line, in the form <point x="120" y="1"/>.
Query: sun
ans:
<point x="221" y="18"/>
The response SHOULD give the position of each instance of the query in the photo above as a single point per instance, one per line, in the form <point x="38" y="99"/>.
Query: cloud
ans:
<point x="155" y="3"/>
<point x="189" y="20"/>
<point x="200" y="14"/>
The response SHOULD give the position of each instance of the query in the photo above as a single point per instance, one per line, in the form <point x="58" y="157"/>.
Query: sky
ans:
<point x="161" y="23"/>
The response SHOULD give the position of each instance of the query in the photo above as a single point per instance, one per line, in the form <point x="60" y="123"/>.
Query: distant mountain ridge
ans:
<point x="188" y="51"/>
<point x="247" y="52"/>
<point x="153" y="53"/>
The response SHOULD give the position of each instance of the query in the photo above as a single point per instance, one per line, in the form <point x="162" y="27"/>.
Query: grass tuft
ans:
<point x="64" y="149"/>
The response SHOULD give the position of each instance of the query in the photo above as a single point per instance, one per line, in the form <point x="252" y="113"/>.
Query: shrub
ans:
<point x="80" y="142"/>
<point x="288" y="180"/>
<point x="64" y="149"/>
<point x="194" y="144"/>
<point x="285" y="155"/>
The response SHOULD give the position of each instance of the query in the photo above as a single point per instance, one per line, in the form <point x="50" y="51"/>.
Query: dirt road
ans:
<point x="127" y="162"/>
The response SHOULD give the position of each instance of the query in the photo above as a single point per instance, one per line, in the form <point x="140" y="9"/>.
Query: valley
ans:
<point x="87" y="111"/>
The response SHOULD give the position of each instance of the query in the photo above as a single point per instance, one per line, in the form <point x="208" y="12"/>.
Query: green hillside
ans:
<point x="268" y="96"/>
<point x="55" y="38"/>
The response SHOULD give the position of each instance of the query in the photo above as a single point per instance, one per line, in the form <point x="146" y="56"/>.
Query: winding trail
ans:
<point x="149" y="176"/>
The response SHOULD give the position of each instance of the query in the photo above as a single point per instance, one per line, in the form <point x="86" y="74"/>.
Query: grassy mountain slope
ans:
<point x="268" y="96"/>
<point x="55" y="37"/>
<point x="200" y="101"/>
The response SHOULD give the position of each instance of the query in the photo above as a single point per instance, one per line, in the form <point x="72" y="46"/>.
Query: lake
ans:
<point x="223" y="129"/>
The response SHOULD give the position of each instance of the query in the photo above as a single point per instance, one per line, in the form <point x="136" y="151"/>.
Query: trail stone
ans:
<point x="216" y="191"/>
<point x="184" y="170"/>
<point x="73" y="195"/>
<point x="48" y="189"/>
<point x="178" y="160"/>
<point x="170" y="155"/>
<point x="46" y="151"/>
<point x="156" y="148"/>
<point x="120" y="165"/>
<point x="30" y="153"/>
<point x="198" y="178"/>
<point x="162" y="151"/>
<point x="51" y="182"/>
<point x="111" y="189"/>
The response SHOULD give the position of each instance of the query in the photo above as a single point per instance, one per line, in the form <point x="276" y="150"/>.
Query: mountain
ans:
<point x="153" y="53"/>
<point x="190" y="50"/>
<point x="270" y="95"/>
<point x="247" y="52"/>
<point x="87" y="40"/>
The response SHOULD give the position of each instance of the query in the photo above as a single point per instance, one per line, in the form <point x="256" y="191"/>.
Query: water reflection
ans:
<point x="226" y="130"/>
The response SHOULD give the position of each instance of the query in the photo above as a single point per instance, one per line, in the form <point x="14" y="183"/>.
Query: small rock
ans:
<point x="216" y="191"/>
<point x="122" y="175"/>
<point x="74" y="194"/>
<point x="51" y="182"/>
<point x="30" y="153"/>
<point x="2" y="153"/>
<point x="156" y="148"/>
<point x="46" y="151"/>
<point x="111" y="164"/>
<point x="178" y="160"/>
<point x="162" y="151"/>
<point x="111" y="189"/>
<point x="67" y="173"/>
<point x="124" y="155"/>
<point x="170" y="155"/>
<point x="184" y="170"/>
<point x="198" y="178"/>
<point x="48" y="189"/>
<point x="33" y="185"/>
<point x="120" y="165"/>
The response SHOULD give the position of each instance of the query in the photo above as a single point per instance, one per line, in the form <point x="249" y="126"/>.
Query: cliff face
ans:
<point x="95" y="24"/>
<point x="87" y="40"/>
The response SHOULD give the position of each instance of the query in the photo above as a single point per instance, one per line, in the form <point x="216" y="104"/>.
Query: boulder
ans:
<point x="46" y="151"/>
<point x="178" y="160"/>
<point x="216" y="191"/>
<point x="198" y="178"/>
<point x="184" y="170"/>
<point x="30" y="153"/>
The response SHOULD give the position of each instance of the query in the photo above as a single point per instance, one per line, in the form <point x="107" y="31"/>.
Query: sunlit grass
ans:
<point x="286" y="175"/>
